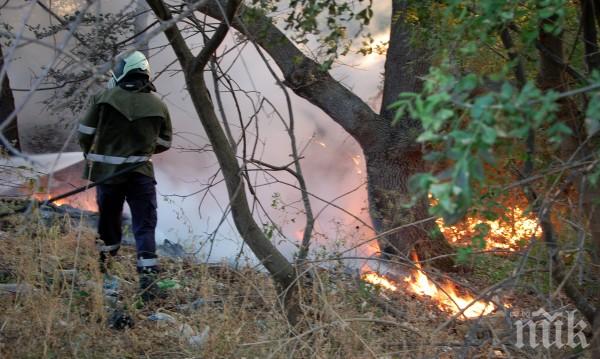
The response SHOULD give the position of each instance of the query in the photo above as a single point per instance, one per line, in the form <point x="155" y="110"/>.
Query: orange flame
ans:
<point x="376" y="279"/>
<point x="502" y="235"/>
<point x="444" y="294"/>
<point x="83" y="201"/>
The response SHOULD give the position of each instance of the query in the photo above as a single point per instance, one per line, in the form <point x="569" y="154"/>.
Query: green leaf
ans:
<point x="442" y="192"/>
<point x="462" y="177"/>
<point x="463" y="254"/>
<point x="420" y="182"/>
<point x="592" y="126"/>
<point x="506" y="91"/>
<point x="488" y="135"/>
<point x="481" y="105"/>
<point x="594" y="176"/>
<point x="469" y="82"/>
<point x="558" y="130"/>
<point x="462" y="137"/>
<point x="428" y="136"/>
<point x="469" y="49"/>
<point x="477" y="169"/>
<point x="545" y="13"/>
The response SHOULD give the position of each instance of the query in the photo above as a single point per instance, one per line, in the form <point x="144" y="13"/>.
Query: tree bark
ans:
<point x="391" y="152"/>
<point x="397" y="156"/>
<point x="588" y="23"/>
<point x="7" y="106"/>
<point x="592" y="209"/>
<point x="590" y="17"/>
<point x="388" y="175"/>
<point x="406" y="62"/>
<point x="596" y="336"/>
<point x="552" y="76"/>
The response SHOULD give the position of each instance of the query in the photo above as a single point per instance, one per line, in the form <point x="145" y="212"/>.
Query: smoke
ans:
<point x="192" y="202"/>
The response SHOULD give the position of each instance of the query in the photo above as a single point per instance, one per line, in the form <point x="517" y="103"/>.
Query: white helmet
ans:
<point x="134" y="62"/>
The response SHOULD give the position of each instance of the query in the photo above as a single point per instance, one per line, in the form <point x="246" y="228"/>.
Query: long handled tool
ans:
<point x="79" y="189"/>
<point x="93" y="184"/>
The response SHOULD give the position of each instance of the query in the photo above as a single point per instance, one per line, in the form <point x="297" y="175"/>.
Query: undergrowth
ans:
<point x="58" y="309"/>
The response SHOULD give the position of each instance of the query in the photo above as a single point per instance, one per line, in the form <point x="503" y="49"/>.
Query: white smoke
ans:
<point x="332" y="164"/>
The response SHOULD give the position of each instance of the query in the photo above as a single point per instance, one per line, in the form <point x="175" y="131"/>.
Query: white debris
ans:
<point x="162" y="317"/>
<point x="197" y="341"/>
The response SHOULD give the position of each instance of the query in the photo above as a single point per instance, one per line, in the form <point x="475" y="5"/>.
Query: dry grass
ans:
<point x="60" y="317"/>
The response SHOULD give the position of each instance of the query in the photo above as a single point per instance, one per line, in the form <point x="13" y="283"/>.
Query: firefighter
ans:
<point x="123" y="127"/>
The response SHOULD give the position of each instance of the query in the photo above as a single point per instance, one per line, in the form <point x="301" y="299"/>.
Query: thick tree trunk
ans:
<point x="388" y="174"/>
<point x="406" y="62"/>
<point x="588" y="22"/>
<point x="7" y="106"/>
<point x="552" y="76"/>
<point x="590" y="16"/>
<point x="592" y="208"/>
<point x="397" y="156"/>
<point x="596" y="336"/>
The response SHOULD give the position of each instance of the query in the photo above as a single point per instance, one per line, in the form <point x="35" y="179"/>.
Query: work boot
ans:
<point x="149" y="289"/>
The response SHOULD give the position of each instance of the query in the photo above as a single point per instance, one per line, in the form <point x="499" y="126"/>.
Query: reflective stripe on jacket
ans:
<point x="134" y="126"/>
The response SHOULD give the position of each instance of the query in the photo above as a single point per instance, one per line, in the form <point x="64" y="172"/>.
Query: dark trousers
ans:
<point x="140" y="193"/>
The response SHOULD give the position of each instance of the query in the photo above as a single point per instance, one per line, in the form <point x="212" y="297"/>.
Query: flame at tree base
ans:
<point x="444" y="294"/>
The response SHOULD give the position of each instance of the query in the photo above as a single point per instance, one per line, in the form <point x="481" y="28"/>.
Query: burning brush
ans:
<point x="445" y="294"/>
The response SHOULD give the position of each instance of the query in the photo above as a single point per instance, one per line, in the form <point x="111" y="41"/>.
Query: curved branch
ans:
<point x="173" y="34"/>
<point x="213" y="43"/>
<point x="304" y="76"/>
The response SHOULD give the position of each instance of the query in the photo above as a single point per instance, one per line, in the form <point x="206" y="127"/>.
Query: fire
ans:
<point x="376" y="279"/>
<point x="502" y="235"/>
<point x="444" y="294"/>
<point x="83" y="201"/>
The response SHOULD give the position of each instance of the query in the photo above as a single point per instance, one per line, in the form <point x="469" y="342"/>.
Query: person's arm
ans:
<point x="165" y="136"/>
<point x="87" y="126"/>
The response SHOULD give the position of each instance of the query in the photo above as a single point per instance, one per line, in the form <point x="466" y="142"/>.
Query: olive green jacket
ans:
<point x="121" y="128"/>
